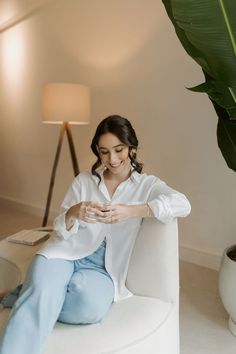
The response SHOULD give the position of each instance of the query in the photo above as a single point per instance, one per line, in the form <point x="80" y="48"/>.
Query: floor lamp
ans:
<point x="64" y="104"/>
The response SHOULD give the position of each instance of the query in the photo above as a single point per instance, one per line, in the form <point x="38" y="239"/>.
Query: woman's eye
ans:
<point x="104" y="152"/>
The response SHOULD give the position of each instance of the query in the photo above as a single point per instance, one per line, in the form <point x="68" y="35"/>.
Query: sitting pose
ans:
<point x="82" y="268"/>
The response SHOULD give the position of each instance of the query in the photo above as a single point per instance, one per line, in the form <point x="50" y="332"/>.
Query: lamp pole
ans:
<point x="64" y="127"/>
<point x="72" y="149"/>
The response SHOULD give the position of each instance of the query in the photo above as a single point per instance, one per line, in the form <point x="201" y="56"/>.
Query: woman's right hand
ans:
<point x="86" y="211"/>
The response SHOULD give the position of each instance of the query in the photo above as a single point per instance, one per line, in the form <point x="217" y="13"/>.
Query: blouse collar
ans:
<point x="134" y="177"/>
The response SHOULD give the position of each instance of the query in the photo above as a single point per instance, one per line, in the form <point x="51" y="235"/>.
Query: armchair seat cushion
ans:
<point x="128" y="322"/>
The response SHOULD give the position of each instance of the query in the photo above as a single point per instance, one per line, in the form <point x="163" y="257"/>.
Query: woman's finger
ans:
<point x="94" y="211"/>
<point x="90" y="219"/>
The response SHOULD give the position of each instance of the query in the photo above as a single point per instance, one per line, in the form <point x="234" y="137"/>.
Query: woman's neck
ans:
<point x="121" y="177"/>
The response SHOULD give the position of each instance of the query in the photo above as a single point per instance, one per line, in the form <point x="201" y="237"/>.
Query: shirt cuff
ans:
<point x="161" y="210"/>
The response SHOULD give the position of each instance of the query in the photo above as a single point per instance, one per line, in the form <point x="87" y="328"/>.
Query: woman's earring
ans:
<point x="133" y="153"/>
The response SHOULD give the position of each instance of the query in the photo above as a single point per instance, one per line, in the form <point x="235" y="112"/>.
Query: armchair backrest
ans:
<point x="154" y="264"/>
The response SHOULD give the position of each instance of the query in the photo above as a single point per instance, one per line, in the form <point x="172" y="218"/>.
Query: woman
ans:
<point x="80" y="271"/>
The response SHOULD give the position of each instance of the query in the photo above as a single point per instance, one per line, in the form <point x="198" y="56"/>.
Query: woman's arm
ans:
<point x="140" y="210"/>
<point x="62" y="225"/>
<point x="166" y="203"/>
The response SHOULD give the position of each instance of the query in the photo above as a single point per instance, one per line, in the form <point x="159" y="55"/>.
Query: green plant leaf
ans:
<point x="226" y="136"/>
<point x="207" y="31"/>
<point x="219" y="93"/>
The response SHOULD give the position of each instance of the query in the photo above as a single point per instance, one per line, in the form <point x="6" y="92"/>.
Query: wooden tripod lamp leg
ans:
<point x="72" y="150"/>
<point x="52" y="180"/>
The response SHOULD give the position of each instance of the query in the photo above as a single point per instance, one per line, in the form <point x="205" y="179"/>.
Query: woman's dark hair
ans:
<point x="124" y="131"/>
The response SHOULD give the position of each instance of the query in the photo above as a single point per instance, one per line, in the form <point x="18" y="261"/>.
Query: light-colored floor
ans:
<point x="203" y="320"/>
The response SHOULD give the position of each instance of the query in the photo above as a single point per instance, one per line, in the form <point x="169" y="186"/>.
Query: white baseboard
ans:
<point x="199" y="257"/>
<point x="186" y="254"/>
<point x="26" y="208"/>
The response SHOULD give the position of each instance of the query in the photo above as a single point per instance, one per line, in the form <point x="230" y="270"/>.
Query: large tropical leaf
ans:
<point x="207" y="31"/>
<point x="226" y="134"/>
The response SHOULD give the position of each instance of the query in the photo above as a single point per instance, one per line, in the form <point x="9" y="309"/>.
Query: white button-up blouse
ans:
<point x="84" y="238"/>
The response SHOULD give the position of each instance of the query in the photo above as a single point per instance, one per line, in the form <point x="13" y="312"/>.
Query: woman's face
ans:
<point x="113" y="153"/>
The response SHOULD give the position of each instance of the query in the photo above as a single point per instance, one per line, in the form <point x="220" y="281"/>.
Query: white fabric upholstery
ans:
<point x="147" y="323"/>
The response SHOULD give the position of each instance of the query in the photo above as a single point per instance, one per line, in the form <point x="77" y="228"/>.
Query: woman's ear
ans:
<point x="133" y="152"/>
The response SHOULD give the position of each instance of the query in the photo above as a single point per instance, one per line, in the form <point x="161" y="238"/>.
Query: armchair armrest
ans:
<point x="154" y="265"/>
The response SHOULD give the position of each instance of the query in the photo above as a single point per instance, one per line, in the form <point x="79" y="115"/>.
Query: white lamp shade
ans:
<point x="64" y="102"/>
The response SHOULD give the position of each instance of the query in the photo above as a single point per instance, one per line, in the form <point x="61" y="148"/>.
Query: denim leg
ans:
<point x="88" y="299"/>
<point x="38" y="306"/>
<point x="90" y="291"/>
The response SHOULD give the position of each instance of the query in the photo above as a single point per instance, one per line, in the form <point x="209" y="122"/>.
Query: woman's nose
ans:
<point x="113" y="157"/>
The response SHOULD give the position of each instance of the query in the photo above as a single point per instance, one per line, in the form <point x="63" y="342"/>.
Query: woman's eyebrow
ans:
<point x="101" y="147"/>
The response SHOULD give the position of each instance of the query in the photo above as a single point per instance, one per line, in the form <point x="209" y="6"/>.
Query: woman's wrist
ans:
<point x="141" y="210"/>
<point x="149" y="213"/>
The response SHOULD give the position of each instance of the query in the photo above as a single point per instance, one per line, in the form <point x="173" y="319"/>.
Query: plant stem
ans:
<point x="232" y="93"/>
<point x="231" y="35"/>
<point x="228" y="25"/>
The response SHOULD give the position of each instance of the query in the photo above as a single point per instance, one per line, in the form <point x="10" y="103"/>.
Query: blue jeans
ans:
<point x="73" y="292"/>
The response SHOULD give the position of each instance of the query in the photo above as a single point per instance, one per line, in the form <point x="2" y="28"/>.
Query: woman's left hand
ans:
<point x="121" y="212"/>
<point x="116" y="213"/>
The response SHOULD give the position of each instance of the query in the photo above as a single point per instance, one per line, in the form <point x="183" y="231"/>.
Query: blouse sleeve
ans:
<point x="167" y="203"/>
<point x="73" y="196"/>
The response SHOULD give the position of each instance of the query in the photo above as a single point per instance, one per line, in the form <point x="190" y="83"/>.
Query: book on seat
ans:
<point x="29" y="237"/>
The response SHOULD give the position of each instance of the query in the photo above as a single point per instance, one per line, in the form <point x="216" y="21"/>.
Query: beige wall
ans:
<point x="129" y="55"/>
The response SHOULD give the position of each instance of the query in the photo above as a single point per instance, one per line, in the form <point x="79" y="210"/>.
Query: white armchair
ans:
<point x="146" y="323"/>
